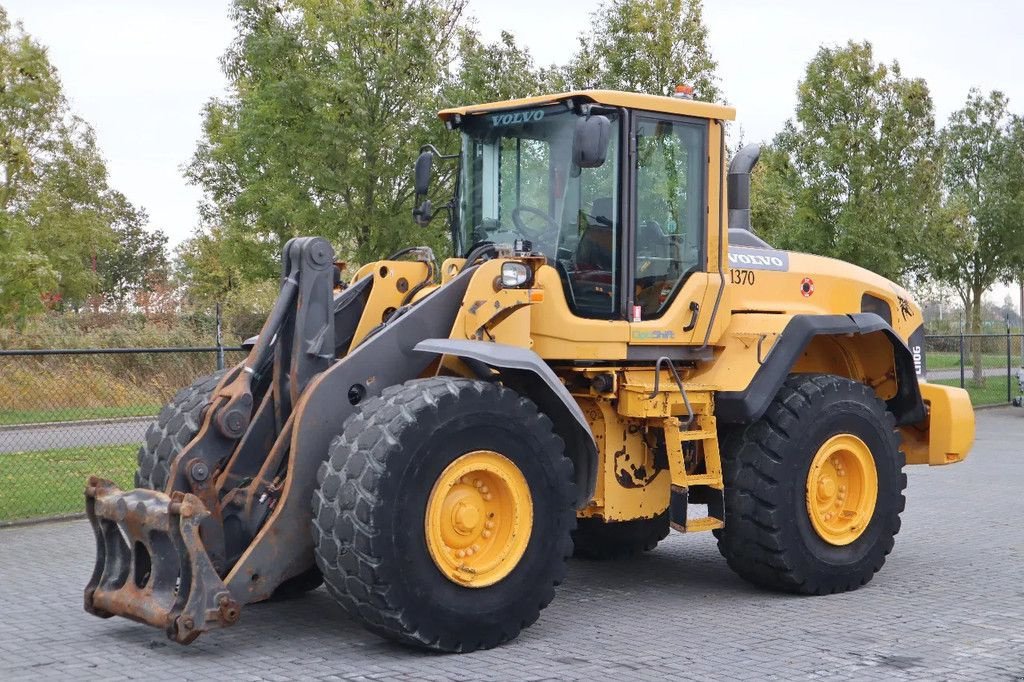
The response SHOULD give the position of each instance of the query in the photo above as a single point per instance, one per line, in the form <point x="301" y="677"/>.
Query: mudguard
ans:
<point x="743" y="407"/>
<point x="527" y="372"/>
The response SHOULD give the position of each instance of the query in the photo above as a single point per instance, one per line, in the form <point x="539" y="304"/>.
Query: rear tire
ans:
<point x="770" y="537"/>
<point x="596" y="539"/>
<point x="374" y="540"/>
<point x="175" y="427"/>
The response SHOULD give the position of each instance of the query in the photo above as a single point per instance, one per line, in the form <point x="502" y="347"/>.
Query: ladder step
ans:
<point x="697" y="435"/>
<point x="697" y="525"/>
<point x="704" y="479"/>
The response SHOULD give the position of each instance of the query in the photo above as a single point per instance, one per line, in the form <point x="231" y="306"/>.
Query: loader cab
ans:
<point x="518" y="181"/>
<point x="626" y="236"/>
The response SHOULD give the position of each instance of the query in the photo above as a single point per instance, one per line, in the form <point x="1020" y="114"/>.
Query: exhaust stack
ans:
<point x="739" y="186"/>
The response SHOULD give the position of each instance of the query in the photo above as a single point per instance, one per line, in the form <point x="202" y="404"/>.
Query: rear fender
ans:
<point x="526" y="372"/>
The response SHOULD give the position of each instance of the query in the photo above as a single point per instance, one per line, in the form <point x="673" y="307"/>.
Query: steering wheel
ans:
<point x="530" y="233"/>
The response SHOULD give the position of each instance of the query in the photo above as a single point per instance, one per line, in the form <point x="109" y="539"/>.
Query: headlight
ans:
<point x="514" y="275"/>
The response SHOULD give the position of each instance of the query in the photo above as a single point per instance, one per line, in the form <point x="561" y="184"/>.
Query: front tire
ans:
<point x="420" y="476"/>
<point x="813" y="489"/>
<point x="174" y="428"/>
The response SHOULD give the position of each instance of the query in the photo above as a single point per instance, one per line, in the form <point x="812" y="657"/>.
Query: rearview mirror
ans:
<point x="590" y="143"/>
<point x="421" y="174"/>
<point x="423" y="213"/>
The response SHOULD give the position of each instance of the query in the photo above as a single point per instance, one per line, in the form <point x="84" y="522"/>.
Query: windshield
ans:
<point x="518" y="181"/>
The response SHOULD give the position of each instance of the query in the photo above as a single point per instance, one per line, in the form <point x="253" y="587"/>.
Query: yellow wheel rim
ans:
<point x="842" y="488"/>
<point x="479" y="518"/>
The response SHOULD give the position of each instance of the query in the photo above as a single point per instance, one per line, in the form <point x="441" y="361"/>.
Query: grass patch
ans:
<point x="943" y="360"/>
<point x="990" y="391"/>
<point x="69" y="414"/>
<point x="52" y="482"/>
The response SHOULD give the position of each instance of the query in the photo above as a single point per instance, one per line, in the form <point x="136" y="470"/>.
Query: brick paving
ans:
<point x="949" y="605"/>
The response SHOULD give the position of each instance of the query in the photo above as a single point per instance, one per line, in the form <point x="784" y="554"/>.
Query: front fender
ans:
<point x="525" y="371"/>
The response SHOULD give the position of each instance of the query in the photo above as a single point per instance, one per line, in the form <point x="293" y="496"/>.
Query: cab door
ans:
<point x="667" y="249"/>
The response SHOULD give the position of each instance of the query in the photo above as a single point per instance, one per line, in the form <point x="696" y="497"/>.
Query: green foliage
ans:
<point x="207" y="266"/>
<point x="56" y="210"/>
<point x="856" y="171"/>
<point x="645" y="46"/>
<point x="774" y="187"/>
<point x="983" y="176"/>
<point x="329" y="105"/>
<point x="491" y="72"/>
<point x="136" y="261"/>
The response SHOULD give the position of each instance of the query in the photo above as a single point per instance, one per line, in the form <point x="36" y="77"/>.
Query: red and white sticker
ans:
<point x="637" y="317"/>
<point x="807" y="287"/>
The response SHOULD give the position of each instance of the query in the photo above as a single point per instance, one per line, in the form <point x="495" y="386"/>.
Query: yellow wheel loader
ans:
<point x="610" y="353"/>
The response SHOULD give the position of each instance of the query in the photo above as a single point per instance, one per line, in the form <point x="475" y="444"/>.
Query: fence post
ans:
<point x="1009" y="397"/>
<point x="220" y="341"/>
<point x="961" y="357"/>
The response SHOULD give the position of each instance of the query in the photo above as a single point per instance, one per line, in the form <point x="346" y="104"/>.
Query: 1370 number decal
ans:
<point x="741" y="277"/>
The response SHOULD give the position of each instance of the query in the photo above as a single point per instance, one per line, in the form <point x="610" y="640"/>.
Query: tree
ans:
<point x="774" y="186"/>
<point x="861" y="164"/>
<point x="983" y="180"/>
<point x="56" y="209"/>
<point x="203" y="268"/>
<point x="645" y="46"/>
<point x="136" y="262"/>
<point x="329" y="105"/>
<point x="491" y="72"/>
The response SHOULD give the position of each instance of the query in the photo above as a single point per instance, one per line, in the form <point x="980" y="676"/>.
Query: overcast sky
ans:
<point x="140" y="70"/>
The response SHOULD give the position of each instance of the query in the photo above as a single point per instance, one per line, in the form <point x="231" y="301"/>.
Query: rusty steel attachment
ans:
<point x="233" y="523"/>
<point x="151" y="564"/>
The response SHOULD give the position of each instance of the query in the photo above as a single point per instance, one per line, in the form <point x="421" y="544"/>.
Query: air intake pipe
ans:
<point x="739" y="186"/>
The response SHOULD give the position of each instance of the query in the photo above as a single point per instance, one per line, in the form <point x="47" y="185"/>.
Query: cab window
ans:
<point x="518" y="181"/>
<point x="670" y="210"/>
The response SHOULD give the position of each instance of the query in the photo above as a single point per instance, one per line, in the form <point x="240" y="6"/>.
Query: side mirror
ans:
<point x="421" y="174"/>
<point x="423" y="213"/>
<point x="590" y="143"/>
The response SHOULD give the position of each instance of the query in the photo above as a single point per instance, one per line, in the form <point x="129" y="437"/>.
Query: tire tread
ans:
<point x="344" y="531"/>
<point x="753" y="541"/>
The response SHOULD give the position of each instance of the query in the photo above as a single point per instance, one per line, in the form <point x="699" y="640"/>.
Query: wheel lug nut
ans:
<point x="483" y="490"/>
<point x="487" y="497"/>
<point x="460" y="554"/>
<point x="486" y="534"/>
<point x="489" y="525"/>
<point x="470" y="551"/>
<point x="478" y="483"/>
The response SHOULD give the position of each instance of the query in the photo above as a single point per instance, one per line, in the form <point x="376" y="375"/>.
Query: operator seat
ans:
<point x="594" y="250"/>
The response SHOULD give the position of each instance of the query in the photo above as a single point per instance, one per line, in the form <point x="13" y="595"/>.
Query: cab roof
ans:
<point x="614" y="98"/>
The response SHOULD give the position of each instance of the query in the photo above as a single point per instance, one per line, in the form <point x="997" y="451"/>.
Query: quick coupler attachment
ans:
<point x="151" y="564"/>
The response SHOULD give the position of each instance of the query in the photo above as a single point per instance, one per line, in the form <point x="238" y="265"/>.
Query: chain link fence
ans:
<point x="988" y="366"/>
<point x="66" y="414"/>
